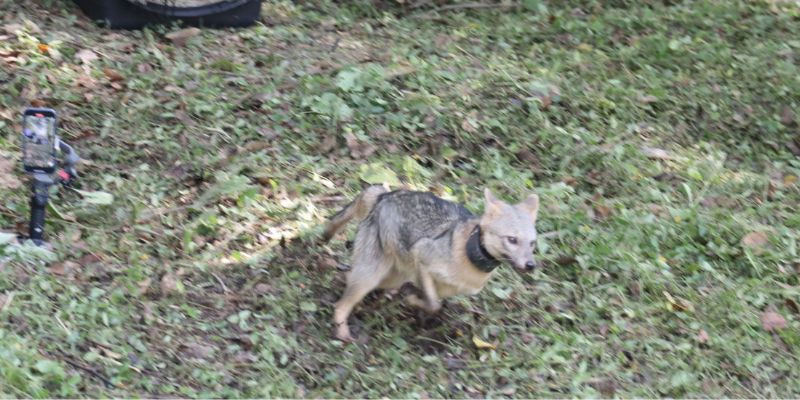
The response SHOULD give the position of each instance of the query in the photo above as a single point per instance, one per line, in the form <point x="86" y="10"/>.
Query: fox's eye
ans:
<point x="512" y="240"/>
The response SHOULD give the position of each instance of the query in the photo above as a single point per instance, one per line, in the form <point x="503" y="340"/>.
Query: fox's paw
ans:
<point x="343" y="334"/>
<point x="416" y="301"/>
<point x="346" y="338"/>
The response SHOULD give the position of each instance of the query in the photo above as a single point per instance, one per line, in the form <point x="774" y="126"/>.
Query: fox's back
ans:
<point x="410" y="216"/>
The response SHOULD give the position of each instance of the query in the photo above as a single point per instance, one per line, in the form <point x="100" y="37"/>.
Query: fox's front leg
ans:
<point x="431" y="303"/>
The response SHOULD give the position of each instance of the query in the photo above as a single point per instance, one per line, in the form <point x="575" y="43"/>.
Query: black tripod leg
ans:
<point x="38" y="204"/>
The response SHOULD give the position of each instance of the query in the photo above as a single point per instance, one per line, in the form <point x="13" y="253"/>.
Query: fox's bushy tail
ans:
<point x="357" y="209"/>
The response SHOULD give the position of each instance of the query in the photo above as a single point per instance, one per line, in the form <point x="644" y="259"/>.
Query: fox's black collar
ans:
<point x="478" y="255"/>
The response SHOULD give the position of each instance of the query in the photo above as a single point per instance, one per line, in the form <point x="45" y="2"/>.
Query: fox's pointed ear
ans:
<point x="492" y="203"/>
<point x="531" y="205"/>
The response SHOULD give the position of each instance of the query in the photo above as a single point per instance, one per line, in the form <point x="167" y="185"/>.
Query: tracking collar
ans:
<point x="478" y="255"/>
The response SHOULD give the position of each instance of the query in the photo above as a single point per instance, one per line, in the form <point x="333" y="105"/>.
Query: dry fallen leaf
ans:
<point x="647" y="99"/>
<point x="262" y="289"/>
<point x="148" y="311"/>
<point x="86" y="81"/>
<point x="656" y="209"/>
<point x="144" y="68"/>
<point x="677" y="303"/>
<point x="527" y="337"/>
<point x="791" y="305"/>
<point x="470" y="123"/>
<point x="702" y="336"/>
<point x="7" y="114"/>
<point x="358" y="149"/>
<point x="198" y="350"/>
<point x="12" y="29"/>
<point x="110" y="354"/>
<point x="527" y="156"/>
<point x="63" y="268"/>
<point x="112" y="75"/>
<point x="453" y="363"/>
<point x="755" y="239"/>
<point x="90" y="259"/>
<point x="143" y="286"/>
<point x="770" y="321"/>
<point x="481" y="344"/>
<point x="170" y="283"/>
<point x="86" y="56"/>
<point x="328" y="262"/>
<point x="328" y="144"/>
<point x="180" y="37"/>
<point x="7" y="53"/>
<point x="43" y="48"/>
<point x="606" y="386"/>
<point x="267" y="132"/>
<point x="787" y="116"/>
<point x="603" y="331"/>
<point x="7" y="178"/>
<point x="656" y="153"/>
<point x="441" y="40"/>
<point x="601" y="212"/>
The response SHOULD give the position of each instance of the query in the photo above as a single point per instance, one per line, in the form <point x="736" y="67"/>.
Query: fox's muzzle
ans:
<point x="525" y="265"/>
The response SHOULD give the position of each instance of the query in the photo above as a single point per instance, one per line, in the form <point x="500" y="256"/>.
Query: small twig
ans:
<point x="467" y="6"/>
<point x="336" y="44"/>
<point x="476" y="311"/>
<point x="162" y="212"/>
<point x="464" y="6"/>
<point x="64" y="327"/>
<point x="91" y="371"/>
<point x="421" y="3"/>
<point x="553" y="234"/>
<point x="221" y="283"/>
<point x="427" y="339"/>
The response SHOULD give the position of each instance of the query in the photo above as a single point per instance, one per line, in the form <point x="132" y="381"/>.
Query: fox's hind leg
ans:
<point x="370" y="267"/>
<point x="431" y="302"/>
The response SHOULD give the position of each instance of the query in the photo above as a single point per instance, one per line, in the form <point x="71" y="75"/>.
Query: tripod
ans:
<point x="41" y="191"/>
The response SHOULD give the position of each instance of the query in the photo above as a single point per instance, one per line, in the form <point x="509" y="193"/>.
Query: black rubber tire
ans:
<point x="123" y="14"/>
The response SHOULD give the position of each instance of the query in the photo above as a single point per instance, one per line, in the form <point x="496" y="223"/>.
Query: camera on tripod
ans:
<point x="40" y="148"/>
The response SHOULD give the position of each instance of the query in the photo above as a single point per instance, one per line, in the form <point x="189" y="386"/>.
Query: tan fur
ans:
<point x="463" y="277"/>
<point x="437" y="261"/>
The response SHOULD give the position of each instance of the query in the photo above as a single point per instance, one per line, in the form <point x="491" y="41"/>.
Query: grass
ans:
<point x="660" y="135"/>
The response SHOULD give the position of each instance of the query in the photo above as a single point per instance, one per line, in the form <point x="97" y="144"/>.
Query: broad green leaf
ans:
<point x="100" y="198"/>
<point x="377" y="173"/>
<point x="694" y="174"/>
<point x="52" y="208"/>
<point x="502" y="294"/>
<point x="49" y="367"/>
<point x="6" y="238"/>
<point x="346" y="80"/>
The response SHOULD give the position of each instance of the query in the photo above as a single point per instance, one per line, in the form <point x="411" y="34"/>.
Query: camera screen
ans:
<point x="39" y="135"/>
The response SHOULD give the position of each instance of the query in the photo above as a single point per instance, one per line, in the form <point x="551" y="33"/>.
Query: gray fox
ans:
<point x="439" y="246"/>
